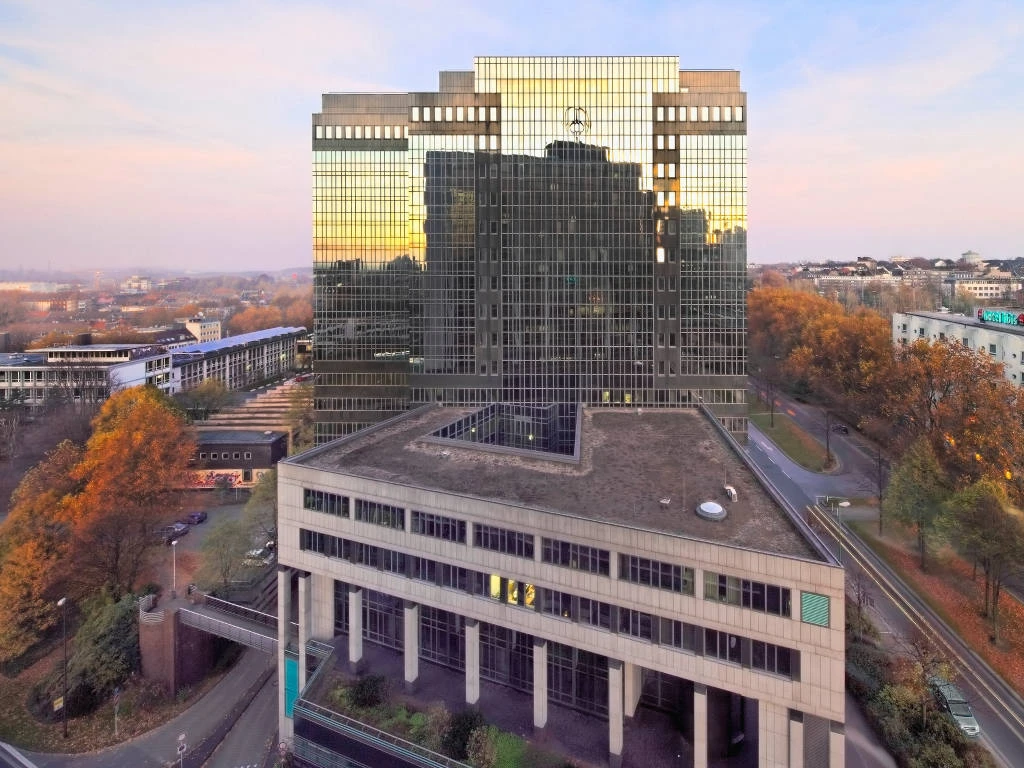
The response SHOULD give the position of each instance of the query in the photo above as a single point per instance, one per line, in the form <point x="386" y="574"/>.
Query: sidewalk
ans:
<point x="158" y="747"/>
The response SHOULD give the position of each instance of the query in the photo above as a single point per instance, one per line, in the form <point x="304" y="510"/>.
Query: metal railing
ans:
<point x="233" y="609"/>
<point x="225" y="629"/>
<point x="792" y="512"/>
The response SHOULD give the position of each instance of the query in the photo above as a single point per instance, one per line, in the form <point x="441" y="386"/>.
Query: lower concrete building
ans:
<point x="235" y="458"/>
<point x="238" y="362"/>
<point x="558" y="552"/>
<point x="80" y="373"/>
<point x="996" y="332"/>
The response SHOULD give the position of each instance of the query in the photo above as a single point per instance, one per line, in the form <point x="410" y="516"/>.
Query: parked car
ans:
<point x="258" y="557"/>
<point x="171" y="533"/>
<point x="953" y="701"/>
<point x="197" y="517"/>
<point x="842" y="429"/>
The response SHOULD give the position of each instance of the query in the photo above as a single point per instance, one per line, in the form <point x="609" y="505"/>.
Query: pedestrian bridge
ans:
<point x="234" y="622"/>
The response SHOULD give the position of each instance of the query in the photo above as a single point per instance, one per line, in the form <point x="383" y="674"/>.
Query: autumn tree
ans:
<point x="992" y="535"/>
<point x="960" y="401"/>
<point x="34" y="540"/>
<point x="255" y="319"/>
<point x="845" y="358"/>
<point x="917" y="490"/>
<point x="132" y="473"/>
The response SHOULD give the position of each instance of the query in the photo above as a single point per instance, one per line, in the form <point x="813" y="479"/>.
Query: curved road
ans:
<point x="856" y="477"/>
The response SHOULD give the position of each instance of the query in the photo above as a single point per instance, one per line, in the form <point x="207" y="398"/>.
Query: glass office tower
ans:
<point x="539" y="230"/>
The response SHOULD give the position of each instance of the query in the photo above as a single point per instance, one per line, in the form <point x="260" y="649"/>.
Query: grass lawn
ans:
<point x="950" y="589"/>
<point x="792" y="440"/>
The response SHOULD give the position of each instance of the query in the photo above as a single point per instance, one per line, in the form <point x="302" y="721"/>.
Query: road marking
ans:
<point x="20" y="758"/>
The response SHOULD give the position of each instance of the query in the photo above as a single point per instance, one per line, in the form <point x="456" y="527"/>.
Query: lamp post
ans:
<point x="63" y="605"/>
<point x="174" y="569"/>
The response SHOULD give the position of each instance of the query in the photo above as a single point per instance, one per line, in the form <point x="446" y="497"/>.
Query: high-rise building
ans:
<point x="539" y="230"/>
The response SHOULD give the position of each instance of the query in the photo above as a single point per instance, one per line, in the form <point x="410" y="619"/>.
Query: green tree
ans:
<point x="260" y="513"/>
<point x="223" y="550"/>
<point x="301" y="420"/>
<point x="106" y="653"/>
<point x="987" y="530"/>
<point x="917" y="490"/>
<point x="209" y="397"/>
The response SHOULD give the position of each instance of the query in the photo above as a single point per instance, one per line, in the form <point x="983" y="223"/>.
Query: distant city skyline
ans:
<point x="175" y="137"/>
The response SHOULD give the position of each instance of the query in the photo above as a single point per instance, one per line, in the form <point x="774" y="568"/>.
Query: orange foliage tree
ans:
<point x="34" y="540"/>
<point x="132" y="473"/>
<point x="959" y="399"/>
<point x="255" y="319"/>
<point x="846" y="358"/>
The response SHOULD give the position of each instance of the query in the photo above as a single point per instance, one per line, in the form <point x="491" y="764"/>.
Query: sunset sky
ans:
<point x="176" y="135"/>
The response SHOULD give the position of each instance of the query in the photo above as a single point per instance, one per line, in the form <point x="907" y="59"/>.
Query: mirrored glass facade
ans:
<point x="539" y="230"/>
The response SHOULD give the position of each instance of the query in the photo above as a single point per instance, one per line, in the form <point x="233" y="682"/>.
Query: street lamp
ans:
<point x="174" y="569"/>
<point x="63" y="605"/>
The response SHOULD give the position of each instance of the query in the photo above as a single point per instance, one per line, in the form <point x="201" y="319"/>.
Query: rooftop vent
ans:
<point x="711" y="510"/>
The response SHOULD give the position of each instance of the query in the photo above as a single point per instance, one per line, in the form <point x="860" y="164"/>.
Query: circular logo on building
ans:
<point x="576" y="121"/>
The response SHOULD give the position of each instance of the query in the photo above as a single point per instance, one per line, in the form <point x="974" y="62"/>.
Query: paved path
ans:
<point x="254" y="735"/>
<point x="156" y="748"/>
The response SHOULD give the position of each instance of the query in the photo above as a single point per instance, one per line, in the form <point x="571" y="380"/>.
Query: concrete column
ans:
<point x="284" y="613"/>
<point x="411" y="628"/>
<point x="632" y="683"/>
<point x="836" y="745"/>
<point x="305" y="619"/>
<point x="322" y="627"/>
<point x="796" y="739"/>
<point x="472" y="661"/>
<point x="614" y="713"/>
<point x="540" y="683"/>
<point x="700" y="726"/>
<point x="355" y="627"/>
<point x="772" y="734"/>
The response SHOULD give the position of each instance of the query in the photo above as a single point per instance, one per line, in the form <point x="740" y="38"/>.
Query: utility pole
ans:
<point x="880" y="489"/>
<point x="828" y="436"/>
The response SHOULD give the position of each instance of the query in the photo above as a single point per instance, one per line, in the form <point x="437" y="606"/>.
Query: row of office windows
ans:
<point x="732" y="590"/>
<point x="361" y="132"/>
<point x="706" y="114"/>
<point x="454" y="114"/>
<point x="656" y="629"/>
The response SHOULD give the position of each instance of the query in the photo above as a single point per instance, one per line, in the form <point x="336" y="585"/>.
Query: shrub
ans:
<point x="867" y="669"/>
<point x="106" y="653"/>
<point x="439" y="721"/>
<point x="509" y="750"/>
<point x="456" y="737"/>
<point x="481" y="747"/>
<point x="369" y="691"/>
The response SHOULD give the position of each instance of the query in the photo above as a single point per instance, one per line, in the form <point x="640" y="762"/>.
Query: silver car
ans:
<point x="952" y="700"/>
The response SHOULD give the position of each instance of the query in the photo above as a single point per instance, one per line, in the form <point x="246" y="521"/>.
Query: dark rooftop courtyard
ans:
<point x="649" y="470"/>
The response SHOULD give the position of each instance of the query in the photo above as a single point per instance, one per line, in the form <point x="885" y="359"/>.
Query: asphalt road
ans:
<point x="856" y="476"/>
<point x="254" y="735"/>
